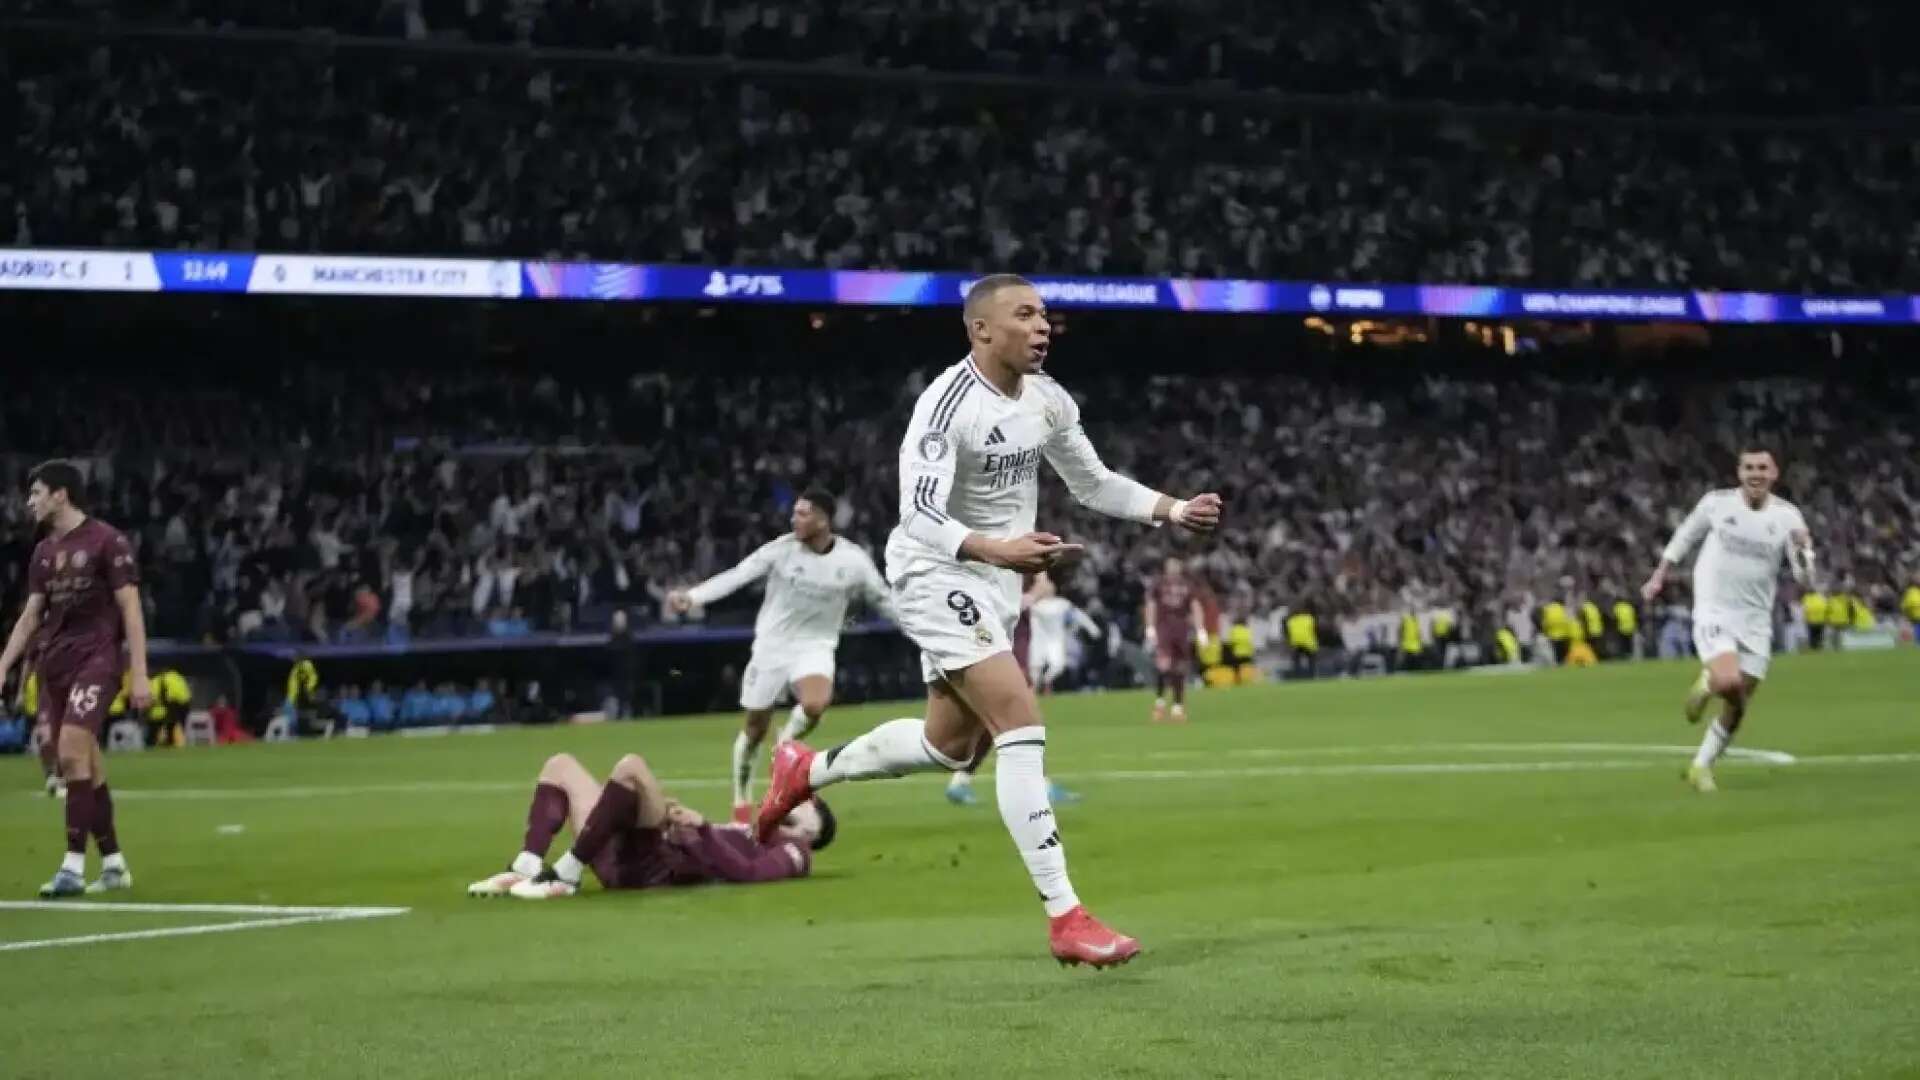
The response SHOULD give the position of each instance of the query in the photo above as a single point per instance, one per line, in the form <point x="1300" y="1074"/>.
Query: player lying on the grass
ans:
<point x="1743" y="533"/>
<point x="633" y="836"/>
<point x="811" y="575"/>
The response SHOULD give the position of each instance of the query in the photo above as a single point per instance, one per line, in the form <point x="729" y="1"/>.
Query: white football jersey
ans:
<point x="1741" y="550"/>
<point x="970" y="462"/>
<point x="807" y="592"/>
<point x="1049" y="618"/>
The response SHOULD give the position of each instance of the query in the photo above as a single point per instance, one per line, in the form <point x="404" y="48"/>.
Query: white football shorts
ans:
<point x="1718" y="632"/>
<point x="958" y="619"/>
<point x="771" y="671"/>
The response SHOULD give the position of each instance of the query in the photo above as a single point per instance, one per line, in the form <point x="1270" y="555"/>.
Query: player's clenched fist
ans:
<point x="1199" y="514"/>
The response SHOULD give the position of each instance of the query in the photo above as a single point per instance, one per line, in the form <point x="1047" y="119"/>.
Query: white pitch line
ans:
<point x="1776" y="757"/>
<point x="1412" y="768"/>
<point x="304" y="915"/>
<point x="197" y="909"/>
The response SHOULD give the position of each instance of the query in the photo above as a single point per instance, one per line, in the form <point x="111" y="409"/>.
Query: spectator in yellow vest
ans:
<point x="1303" y="637"/>
<point x="1558" y="627"/>
<point x="1506" y="645"/>
<point x="1839" y="615"/>
<point x="1626" y="629"/>
<point x="1411" y="648"/>
<point x="167" y="717"/>
<point x="1445" y="633"/>
<point x="1214" y="670"/>
<point x="1593" y="622"/>
<point x="303" y="686"/>
<point x="1240" y="651"/>
<point x="1863" y="615"/>
<point x="1813" y="608"/>
<point x="1910" y="607"/>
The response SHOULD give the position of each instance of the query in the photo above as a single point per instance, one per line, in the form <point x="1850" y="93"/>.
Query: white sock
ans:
<point x="962" y="778"/>
<point x="74" y="862"/>
<point x="527" y="864"/>
<point x="115" y="861"/>
<point x="799" y="725"/>
<point x="895" y="748"/>
<point x="568" y="868"/>
<point x="744" y="747"/>
<point x="1020" y="781"/>
<point x="1159" y="703"/>
<point x="1711" y="746"/>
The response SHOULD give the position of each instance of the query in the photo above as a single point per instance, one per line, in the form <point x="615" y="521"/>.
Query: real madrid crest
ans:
<point x="933" y="446"/>
<point x="983" y="635"/>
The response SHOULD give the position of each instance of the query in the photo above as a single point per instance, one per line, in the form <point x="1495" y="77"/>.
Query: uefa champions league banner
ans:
<point x="498" y="279"/>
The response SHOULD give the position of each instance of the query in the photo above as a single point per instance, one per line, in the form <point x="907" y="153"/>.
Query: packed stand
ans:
<point x="1348" y="497"/>
<point x="1605" y="55"/>
<point x="129" y="145"/>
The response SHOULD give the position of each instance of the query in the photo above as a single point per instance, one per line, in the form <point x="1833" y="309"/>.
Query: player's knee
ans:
<point x="814" y="707"/>
<point x="559" y="763"/>
<point x="632" y="770"/>
<point x="1727" y="684"/>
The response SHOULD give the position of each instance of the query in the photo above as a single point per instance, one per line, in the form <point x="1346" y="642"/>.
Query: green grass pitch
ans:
<point x="1424" y="876"/>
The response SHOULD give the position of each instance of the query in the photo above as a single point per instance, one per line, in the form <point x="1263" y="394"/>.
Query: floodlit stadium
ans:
<point x="958" y="539"/>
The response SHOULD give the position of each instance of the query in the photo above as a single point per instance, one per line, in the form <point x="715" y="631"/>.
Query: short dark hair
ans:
<point x="60" y="475"/>
<point x="1756" y="446"/>
<point x="829" y="828"/>
<point x="981" y="291"/>
<point x="822" y="501"/>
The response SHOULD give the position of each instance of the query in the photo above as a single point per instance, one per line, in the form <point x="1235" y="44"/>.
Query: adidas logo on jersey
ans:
<point x="994" y="438"/>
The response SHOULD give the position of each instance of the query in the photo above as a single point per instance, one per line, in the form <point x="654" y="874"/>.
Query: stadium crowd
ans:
<point x="195" y="145"/>
<point x="1604" y="54"/>
<point x="268" y="519"/>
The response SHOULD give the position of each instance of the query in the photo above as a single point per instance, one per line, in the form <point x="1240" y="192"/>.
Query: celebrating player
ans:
<point x="1742" y="533"/>
<point x="634" y="836"/>
<point x="811" y="575"/>
<point x="83" y="597"/>
<point x="1175" y="621"/>
<point x="969" y="484"/>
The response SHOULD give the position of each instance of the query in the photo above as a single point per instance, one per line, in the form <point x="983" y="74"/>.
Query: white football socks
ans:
<point x="527" y="864"/>
<point x="799" y="726"/>
<point x="1020" y="781"/>
<point x="1712" y="746"/>
<point x="74" y="862"/>
<point x="744" y="747"/>
<point x="115" y="861"/>
<point x="961" y="780"/>
<point x="568" y="868"/>
<point x="895" y="748"/>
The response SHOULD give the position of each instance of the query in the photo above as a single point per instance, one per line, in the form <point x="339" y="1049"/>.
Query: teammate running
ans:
<point x="1743" y="533"/>
<point x="811" y="576"/>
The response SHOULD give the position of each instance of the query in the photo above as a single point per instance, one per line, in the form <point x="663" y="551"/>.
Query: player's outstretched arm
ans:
<point x="1685" y="539"/>
<point x="726" y="582"/>
<point x="1104" y="491"/>
<point x="23" y="630"/>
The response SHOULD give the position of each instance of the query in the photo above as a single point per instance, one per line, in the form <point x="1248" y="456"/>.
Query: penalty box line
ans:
<point x="268" y="916"/>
